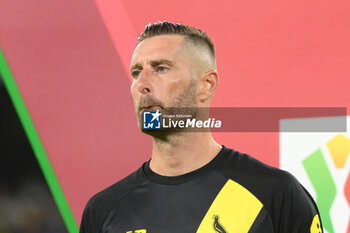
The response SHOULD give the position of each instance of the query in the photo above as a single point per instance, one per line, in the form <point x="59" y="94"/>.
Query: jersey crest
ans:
<point x="217" y="226"/>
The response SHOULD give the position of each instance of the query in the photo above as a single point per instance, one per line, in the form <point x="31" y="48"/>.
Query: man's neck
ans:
<point x="182" y="154"/>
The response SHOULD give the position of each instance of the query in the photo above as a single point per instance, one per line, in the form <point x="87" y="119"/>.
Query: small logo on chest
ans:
<point x="218" y="227"/>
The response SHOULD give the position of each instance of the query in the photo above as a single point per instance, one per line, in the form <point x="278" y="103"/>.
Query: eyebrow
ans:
<point x="137" y="66"/>
<point x="153" y="63"/>
<point x="161" y="61"/>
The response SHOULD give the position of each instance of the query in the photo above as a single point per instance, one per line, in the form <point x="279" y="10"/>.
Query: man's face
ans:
<point x="162" y="75"/>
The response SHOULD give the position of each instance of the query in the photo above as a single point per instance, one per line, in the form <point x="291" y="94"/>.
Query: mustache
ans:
<point x="147" y="100"/>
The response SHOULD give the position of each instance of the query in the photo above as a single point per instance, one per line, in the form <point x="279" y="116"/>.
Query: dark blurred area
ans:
<point x="26" y="204"/>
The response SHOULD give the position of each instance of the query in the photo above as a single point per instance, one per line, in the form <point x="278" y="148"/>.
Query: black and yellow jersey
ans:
<point x="233" y="193"/>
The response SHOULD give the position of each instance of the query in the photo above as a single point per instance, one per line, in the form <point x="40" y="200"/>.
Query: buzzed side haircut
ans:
<point x="192" y="35"/>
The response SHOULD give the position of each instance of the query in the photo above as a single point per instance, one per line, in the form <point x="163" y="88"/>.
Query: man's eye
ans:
<point x="135" y="74"/>
<point x="161" y="69"/>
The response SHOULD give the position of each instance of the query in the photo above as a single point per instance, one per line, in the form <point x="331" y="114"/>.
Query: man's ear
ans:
<point x="208" y="83"/>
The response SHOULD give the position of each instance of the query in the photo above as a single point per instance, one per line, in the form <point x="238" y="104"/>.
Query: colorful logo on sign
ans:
<point x="321" y="163"/>
<point x="322" y="180"/>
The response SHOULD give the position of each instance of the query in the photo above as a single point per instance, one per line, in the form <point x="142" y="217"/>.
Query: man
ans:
<point x="191" y="183"/>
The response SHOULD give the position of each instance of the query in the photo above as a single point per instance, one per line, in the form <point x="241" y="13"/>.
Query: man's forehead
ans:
<point x="162" y="40"/>
<point x="162" y="43"/>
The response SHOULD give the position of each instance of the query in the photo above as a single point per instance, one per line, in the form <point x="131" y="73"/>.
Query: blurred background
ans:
<point x="26" y="203"/>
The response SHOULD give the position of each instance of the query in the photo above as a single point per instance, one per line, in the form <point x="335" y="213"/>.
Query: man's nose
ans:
<point x="144" y="81"/>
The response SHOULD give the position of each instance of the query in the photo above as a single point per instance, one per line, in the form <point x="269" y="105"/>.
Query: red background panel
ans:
<point x="70" y="60"/>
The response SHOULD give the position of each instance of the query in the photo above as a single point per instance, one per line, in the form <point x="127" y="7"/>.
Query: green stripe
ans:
<point x="37" y="146"/>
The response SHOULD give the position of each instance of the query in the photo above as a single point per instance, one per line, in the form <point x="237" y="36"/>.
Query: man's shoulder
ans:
<point x="112" y="194"/>
<point x="285" y="200"/>
<point x="258" y="177"/>
<point x="101" y="203"/>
